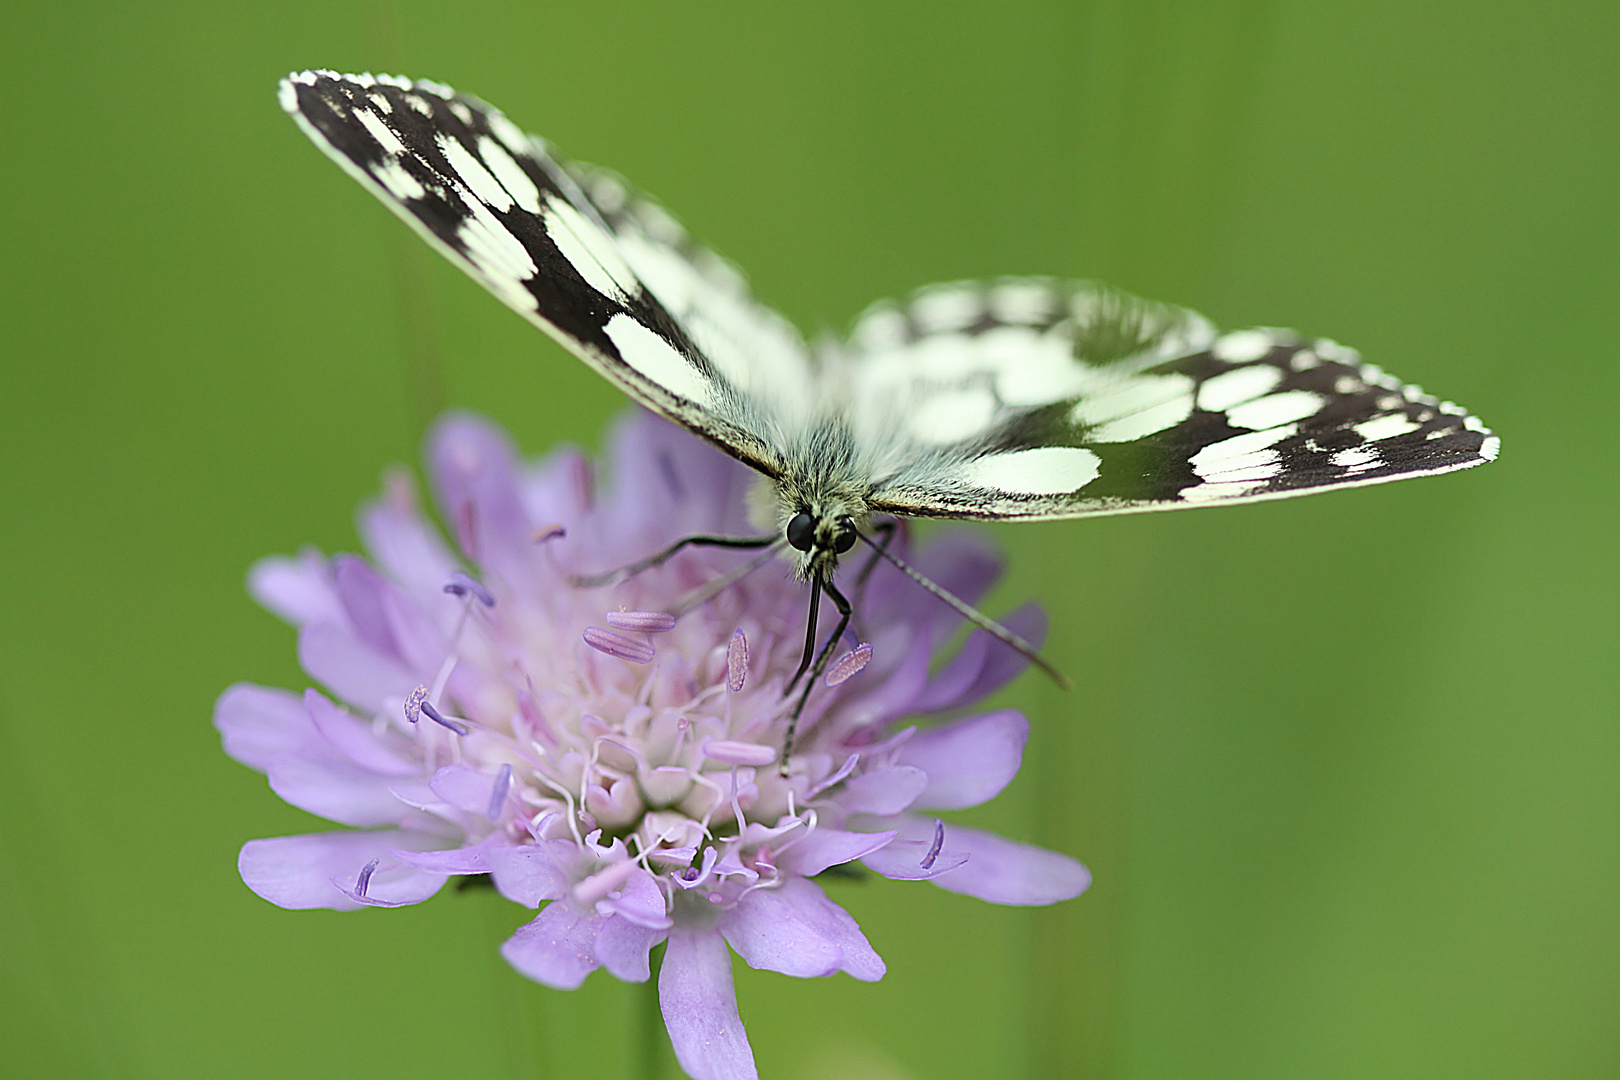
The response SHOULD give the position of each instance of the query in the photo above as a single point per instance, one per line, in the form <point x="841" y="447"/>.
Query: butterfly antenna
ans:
<point x="972" y="614"/>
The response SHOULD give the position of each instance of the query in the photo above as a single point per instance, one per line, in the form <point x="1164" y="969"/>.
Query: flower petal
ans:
<point x="882" y="792"/>
<point x="982" y="664"/>
<point x="407" y="548"/>
<point x="622" y="947"/>
<point x="830" y="847"/>
<point x="700" y="1008"/>
<point x="557" y="948"/>
<point x="639" y="900"/>
<point x="796" y="930"/>
<point x="258" y="723"/>
<point x="968" y="762"/>
<point x="350" y="668"/>
<point x="335" y="788"/>
<point x="298" y="871"/>
<point x="768" y="930"/>
<point x="529" y="874"/>
<point x="300" y="590"/>
<point x="354" y="738"/>
<point x="475" y="474"/>
<point x="1002" y="871"/>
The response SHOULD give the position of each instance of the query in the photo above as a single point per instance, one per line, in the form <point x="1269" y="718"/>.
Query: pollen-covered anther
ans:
<point x="737" y="661"/>
<point x="617" y="645"/>
<point x="439" y="718"/>
<point x="646" y="622"/>
<point x="850" y="664"/>
<point x="461" y="584"/>
<point x="733" y="752"/>
<point x="549" y="532"/>
<point x="413" y="704"/>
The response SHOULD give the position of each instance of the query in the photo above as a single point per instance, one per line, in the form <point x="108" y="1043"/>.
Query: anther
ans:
<point x="850" y="664"/>
<point x="363" y="882"/>
<point x="462" y="585"/>
<point x="737" y="661"/>
<point x="549" y="532"/>
<point x="647" y="622"/>
<point x="497" y="796"/>
<point x="414" y="703"/>
<point x="733" y="752"/>
<point x="637" y="652"/>
<point x="439" y="718"/>
<point x="937" y="846"/>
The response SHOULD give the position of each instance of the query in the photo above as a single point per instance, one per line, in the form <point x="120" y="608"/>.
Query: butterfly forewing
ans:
<point x="1017" y="398"/>
<point x="616" y="284"/>
<point x="1033" y="399"/>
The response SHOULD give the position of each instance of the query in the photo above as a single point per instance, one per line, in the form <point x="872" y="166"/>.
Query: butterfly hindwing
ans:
<point x="1033" y="399"/>
<point x="619" y="285"/>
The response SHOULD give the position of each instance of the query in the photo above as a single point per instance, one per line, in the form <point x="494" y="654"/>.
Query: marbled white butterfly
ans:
<point x="1014" y="399"/>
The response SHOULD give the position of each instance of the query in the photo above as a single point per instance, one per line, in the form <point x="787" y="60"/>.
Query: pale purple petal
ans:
<point x="531" y="873"/>
<point x="882" y="792"/>
<point x="700" y="1008"/>
<point x="474" y="469"/>
<point x="769" y="931"/>
<point x="360" y="589"/>
<point x="826" y="847"/>
<point x="354" y="738"/>
<point x="258" y="724"/>
<point x="466" y="860"/>
<point x="463" y="788"/>
<point x="914" y="859"/>
<point x="968" y="762"/>
<point x="640" y="900"/>
<point x="407" y="549"/>
<point x="1002" y="663"/>
<point x="558" y="948"/>
<point x="335" y="788"/>
<point x="836" y="925"/>
<point x="999" y="870"/>
<point x="300" y="590"/>
<point x="298" y="871"/>
<point x="350" y="668"/>
<point x="622" y="947"/>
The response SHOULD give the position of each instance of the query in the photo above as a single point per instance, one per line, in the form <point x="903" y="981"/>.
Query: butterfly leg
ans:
<point x="844" y="612"/>
<point x="613" y="577"/>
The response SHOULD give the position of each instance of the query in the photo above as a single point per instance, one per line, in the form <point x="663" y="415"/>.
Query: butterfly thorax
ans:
<point x="820" y="501"/>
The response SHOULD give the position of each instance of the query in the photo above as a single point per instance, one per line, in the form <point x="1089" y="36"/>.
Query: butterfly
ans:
<point x="1016" y="399"/>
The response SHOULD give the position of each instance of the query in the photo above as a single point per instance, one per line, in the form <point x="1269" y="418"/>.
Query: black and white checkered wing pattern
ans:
<point x="1031" y="399"/>
<point x="573" y="250"/>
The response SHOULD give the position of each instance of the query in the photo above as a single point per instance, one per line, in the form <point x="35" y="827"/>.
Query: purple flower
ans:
<point x="616" y="766"/>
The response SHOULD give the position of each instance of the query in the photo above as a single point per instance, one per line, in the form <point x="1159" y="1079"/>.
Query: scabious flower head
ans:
<point x="619" y="766"/>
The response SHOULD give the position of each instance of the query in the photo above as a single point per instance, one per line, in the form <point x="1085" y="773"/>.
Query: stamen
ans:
<point x="935" y="848"/>
<point x="363" y="882"/>
<point x="497" y="797"/>
<point x="850" y="664"/>
<point x="414" y="703"/>
<point x="439" y="718"/>
<point x="637" y="652"/>
<point x="647" y="622"/>
<point x="462" y="585"/>
<point x="549" y="532"/>
<point x="737" y="661"/>
<point x="738" y="753"/>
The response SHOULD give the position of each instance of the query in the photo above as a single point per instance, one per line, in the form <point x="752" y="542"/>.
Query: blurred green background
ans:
<point x="1345" y="768"/>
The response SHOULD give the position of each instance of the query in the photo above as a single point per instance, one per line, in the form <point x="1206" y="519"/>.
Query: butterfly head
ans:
<point x="820" y="538"/>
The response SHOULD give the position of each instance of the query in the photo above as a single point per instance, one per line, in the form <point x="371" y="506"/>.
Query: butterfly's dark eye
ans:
<point x="846" y="536"/>
<point x="801" y="531"/>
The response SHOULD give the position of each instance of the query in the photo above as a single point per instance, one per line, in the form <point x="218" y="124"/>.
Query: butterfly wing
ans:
<point x="601" y="269"/>
<point x="1029" y="399"/>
